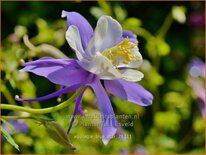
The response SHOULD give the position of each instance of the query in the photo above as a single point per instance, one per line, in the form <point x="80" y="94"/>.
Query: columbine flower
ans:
<point x="107" y="54"/>
<point x="196" y="80"/>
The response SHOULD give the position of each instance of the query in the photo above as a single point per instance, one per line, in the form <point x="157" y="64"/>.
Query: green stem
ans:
<point x="25" y="117"/>
<point x="165" y="26"/>
<point x="156" y="62"/>
<point x="142" y="32"/>
<point x="44" y="110"/>
<point x="16" y="117"/>
<point x="7" y="94"/>
<point x="182" y="144"/>
<point x="44" y="48"/>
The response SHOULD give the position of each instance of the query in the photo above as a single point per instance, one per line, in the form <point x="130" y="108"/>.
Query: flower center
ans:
<point x="121" y="53"/>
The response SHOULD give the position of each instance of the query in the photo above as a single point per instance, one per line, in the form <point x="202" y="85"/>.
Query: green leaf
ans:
<point x="20" y="30"/>
<point x="97" y="12"/>
<point x="120" y="13"/>
<point x="105" y="7"/>
<point x="162" y="47"/>
<point x="9" y="138"/>
<point x="7" y="124"/>
<point x="167" y="142"/>
<point x="199" y="125"/>
<point x="171" y="117"/>
<point x="131" y="23"/>
<point x="157" y="46"/>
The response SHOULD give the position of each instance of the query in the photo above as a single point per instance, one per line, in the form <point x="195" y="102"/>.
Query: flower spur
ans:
<point x="108" y="54"/>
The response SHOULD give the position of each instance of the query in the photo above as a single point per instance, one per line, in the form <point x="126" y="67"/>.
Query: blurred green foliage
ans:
<point x="167" y="41"/>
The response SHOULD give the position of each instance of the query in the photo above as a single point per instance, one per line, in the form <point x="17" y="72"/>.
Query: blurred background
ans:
<point x="171" y="39"/>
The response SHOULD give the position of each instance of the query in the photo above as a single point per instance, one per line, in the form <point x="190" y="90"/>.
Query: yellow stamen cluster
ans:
<point x="121" y="52"/>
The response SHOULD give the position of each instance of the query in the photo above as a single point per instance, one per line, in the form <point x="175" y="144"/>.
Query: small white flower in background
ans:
<point x="178" y="13"/>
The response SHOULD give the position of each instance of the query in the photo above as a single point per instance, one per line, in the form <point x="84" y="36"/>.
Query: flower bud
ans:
<point x="57" y="133"/>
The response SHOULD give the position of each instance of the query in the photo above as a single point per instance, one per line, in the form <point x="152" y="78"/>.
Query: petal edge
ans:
<point x="129" y="91"/>
<point x="85" y="29"/>
<point x="109" y="122"/>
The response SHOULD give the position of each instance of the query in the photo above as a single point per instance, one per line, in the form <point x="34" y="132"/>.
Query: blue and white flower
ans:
<point x="106" y="54"/>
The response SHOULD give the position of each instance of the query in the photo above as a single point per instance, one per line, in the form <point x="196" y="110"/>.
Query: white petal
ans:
<point x="107" y="32"/>
<point x="136" y="63"/>
<point x="74" y="40"/>
<point x="102" y="67"/>
<point x="132" y="75"/>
